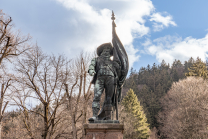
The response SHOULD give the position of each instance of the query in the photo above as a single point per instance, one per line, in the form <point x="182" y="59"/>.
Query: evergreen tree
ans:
<point x="188" y="64"/>
<point x="177" y="64"/>
<point x="148" y="68"/>
<point x="132" y="105"/>
<point x="175" y="75"/>
<point x="198" y="69"/>
<point x="132" y="71"/>
<point x="163" y="65"/>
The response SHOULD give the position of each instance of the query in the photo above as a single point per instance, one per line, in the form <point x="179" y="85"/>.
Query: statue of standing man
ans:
<point x="108" y="75"/>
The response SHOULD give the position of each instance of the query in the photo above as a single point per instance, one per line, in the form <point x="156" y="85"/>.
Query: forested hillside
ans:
<point x="151" y="83"/>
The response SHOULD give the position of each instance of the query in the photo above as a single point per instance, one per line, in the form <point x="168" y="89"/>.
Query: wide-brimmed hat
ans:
<point x="105" y="46"/>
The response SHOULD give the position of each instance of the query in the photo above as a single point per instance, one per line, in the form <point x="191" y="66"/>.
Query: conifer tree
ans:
<point x="132" y="105"/>
<point x="198" y="69"/>
<point x="188" y="64"/>
<point x="175" y="75"/>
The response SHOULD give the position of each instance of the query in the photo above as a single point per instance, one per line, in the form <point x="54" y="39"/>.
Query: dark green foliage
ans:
<point x="177" y="64"/>
<point x="175" y="75"/>
<point x="188" y="64"/>
<point x="150" y="84"/>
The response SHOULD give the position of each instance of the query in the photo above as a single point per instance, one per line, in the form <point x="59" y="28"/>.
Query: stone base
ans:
<point x="104" y="131"/>
<point x="105" y="121"/>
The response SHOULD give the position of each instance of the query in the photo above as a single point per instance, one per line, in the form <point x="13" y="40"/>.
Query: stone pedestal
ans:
<point x="104" y="131"/>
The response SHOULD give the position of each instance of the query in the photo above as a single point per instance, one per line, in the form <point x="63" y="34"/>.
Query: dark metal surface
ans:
<point x="109" y="76"/>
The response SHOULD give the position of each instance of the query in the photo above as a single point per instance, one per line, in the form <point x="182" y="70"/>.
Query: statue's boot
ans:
<point x="95" y="113"/>
<point x="108" y="112"/>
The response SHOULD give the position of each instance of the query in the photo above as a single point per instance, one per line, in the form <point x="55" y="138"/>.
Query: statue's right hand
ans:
<point x="92" y="72"/>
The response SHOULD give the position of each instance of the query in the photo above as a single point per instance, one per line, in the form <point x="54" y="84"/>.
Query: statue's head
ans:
<point x="105" y="49"/>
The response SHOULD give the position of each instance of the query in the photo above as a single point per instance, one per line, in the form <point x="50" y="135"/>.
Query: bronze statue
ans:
<point x="108" y="75"/>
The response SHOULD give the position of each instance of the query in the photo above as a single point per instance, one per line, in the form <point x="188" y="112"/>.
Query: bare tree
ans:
<point x="153" y="134"/>
<point x="41" y="76"/>
<point x="128" y="120"/>
<point x="185" y="110"/>
<point x="11" y="44"/>
<point x="87" y="93"/>
<point x="45" y="79"/>
<point x="12" y="126"/>
<point x="60" y="91"/>
<point x="79" y="93"/>
<point x="5" y="82"/>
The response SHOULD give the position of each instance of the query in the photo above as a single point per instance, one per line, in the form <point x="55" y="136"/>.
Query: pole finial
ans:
<point x="113" y="16"/>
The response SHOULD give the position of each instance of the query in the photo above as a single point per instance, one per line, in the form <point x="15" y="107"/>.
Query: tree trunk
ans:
<point x="0" y="129"/>
<point x="74" y="129"/>
<point x="85" y="104"/>
<point x="45" y="121"/>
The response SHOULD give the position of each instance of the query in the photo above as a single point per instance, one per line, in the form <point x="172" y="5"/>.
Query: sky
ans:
<point x="149" y="30"/>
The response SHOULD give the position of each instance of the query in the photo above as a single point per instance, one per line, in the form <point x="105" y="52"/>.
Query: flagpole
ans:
<point x="115" y="89"/>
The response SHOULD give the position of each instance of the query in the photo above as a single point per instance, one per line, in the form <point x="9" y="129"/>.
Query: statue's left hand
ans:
<point x="92" y="72"/>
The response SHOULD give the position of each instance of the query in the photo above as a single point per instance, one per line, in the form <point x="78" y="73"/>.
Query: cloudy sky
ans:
<point x="150" y="30"/>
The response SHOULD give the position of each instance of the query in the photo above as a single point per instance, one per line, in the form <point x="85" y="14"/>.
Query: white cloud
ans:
<point x="160" y="22"/>
<point x="91" y="23"/>
<point x="133" y="57"/>
<point x="170" y="48"/>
